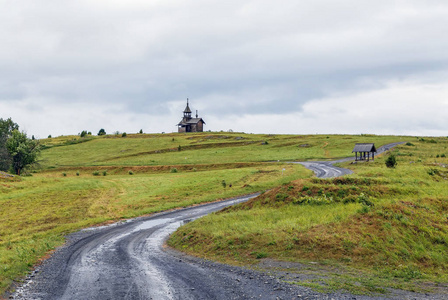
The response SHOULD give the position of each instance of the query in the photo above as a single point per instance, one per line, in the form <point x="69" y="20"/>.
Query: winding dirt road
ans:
<point x="326" y="169"/>
<point x="128" y="261"/>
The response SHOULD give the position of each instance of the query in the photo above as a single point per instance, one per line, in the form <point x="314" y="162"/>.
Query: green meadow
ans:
<point x="375" y="229"/>
<point x="82" y="182"/>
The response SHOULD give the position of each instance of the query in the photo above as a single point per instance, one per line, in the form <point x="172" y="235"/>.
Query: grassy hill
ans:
<point x="378" y="227"/>
<point x="82" y="182"/>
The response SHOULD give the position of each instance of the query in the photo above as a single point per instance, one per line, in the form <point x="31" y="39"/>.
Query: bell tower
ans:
<point x="187" y="113"/>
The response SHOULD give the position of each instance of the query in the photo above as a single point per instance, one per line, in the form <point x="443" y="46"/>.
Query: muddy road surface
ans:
<point x="128" y="261"/>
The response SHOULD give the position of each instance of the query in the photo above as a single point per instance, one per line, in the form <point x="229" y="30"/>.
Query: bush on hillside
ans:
<point x="83" y="133"/>
<point x="391" y="161"/>
<point x="102" y="132"/>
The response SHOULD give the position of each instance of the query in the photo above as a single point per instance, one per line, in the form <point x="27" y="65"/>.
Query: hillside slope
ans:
<point x="386" y="223"/>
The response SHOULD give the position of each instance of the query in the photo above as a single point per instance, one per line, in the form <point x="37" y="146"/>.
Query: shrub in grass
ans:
<point x="96" y="173"/>
<point x="407" y="272"/>
<point x="364" y="209"/>
<point x="409" y="144"/>
<point x="173" y="170"/>
<point x="77" y="173"/>
<point x="281" y="197"/>
<point x="130" y="172"/>
<point x="364" y="200"/>
<point x="64" y="174"/>
<point x="141" y="131"/>
<point x="316" y="200"/>
<point x="260" y="255"/>
<point x="104" y="173"/>
<point x="224" y="184"/>
<point x="391" y="161"/>
<point x="83" y="133"/>
<point x="124" y="134"/>
<point x="432" y="172"/>
<point x="350" y="199"/>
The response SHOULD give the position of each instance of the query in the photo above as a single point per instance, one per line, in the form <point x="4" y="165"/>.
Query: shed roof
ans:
<point x="364" y="147"/>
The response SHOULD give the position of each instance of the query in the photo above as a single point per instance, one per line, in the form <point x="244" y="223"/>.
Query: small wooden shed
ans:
<point x="364" y="150"/>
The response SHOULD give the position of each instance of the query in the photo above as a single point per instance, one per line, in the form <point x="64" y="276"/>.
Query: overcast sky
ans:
<point x="288" y="66"/>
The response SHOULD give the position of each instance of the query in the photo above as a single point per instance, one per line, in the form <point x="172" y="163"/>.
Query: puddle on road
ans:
<point x="152" y="223"/>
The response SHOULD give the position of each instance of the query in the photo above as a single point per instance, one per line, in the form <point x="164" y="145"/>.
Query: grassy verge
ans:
<point x="36" y="212"/>
<point x="389" y="224"/>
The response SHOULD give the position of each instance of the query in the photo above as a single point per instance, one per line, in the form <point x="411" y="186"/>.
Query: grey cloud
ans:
<point x="232" y="57"/>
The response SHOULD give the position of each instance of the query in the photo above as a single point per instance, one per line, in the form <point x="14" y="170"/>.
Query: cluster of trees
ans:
<point x="16" y="150"/>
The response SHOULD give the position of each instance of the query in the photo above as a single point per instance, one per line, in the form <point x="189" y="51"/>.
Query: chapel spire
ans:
<point x="187" y="111"/>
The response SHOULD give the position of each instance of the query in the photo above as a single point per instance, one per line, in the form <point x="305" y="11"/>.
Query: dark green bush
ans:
<point x="281" y="197"/>
<point x="391" y="161"/>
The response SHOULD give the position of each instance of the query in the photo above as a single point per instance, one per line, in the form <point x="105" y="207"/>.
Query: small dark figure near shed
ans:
<point x="364" y="150"/>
